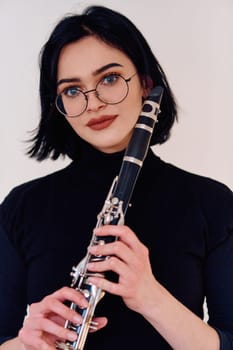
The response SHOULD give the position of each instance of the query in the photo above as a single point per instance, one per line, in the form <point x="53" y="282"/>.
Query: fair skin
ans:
<point x="74" y="63"/>
<point x="137" y="285"/>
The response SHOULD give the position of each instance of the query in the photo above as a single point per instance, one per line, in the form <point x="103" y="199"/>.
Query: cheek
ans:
<point x="135" y="104"/>
<point x="130" y="113"/>
<point x="137" y="93"/>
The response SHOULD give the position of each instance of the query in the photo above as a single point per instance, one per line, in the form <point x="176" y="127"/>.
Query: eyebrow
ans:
<point x="96" y="72"/>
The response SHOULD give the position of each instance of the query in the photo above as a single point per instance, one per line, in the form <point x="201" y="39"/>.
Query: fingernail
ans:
<point x="72" y="336"/>
<point x="92" y="249"/>
<point x="96" y="230"/>
<point x="77" y="319"/>
<point x="84" y="305"/>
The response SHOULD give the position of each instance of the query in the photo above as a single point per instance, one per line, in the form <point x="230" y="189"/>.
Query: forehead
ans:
<point x="87" y="55"/>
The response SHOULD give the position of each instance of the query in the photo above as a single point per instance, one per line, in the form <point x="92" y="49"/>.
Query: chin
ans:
<point x="109" y="146"/>
<point x="109" y="150"/>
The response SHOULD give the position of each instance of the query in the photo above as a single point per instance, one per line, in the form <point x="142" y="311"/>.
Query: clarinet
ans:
<point x="112" y="213"/>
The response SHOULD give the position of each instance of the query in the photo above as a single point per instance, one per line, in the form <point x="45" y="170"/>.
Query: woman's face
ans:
<point x="106" y="127"/>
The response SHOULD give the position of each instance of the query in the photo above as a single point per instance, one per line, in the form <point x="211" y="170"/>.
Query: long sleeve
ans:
<point x="218" y="267"/>
<point x="219" y="284"/>
<point x="13" y="289"/>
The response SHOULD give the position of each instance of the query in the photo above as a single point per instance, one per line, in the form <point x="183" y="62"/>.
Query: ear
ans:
<point x="147" y="85"/>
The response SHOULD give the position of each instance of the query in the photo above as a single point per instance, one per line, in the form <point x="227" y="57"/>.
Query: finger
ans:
<point x="123" y="233"/>
<point x="38" y="325"/>
<point x="33" y="343"/>
<point x="34" y="340"/>
<point x="111" y="264"/>
<point x="57" y="299"/>
<point x="110" y="287"/>
<point x="51" y="305"/>
<point x="99" y="322"/>
<point x="117" y="248"/>
<point x="71" y="294"/>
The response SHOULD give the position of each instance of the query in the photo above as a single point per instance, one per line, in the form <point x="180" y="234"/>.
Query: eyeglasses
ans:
<point x="111" y="89"/>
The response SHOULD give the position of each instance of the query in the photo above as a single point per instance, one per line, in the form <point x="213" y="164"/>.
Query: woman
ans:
<point x="176" y="246"/>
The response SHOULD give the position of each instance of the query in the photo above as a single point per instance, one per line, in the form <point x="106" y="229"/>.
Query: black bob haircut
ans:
<point x="54" y="136"/>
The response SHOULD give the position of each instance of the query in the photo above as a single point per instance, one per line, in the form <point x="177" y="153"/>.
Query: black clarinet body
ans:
<point x="138" y="147"/>
<point x="113" y="213"/>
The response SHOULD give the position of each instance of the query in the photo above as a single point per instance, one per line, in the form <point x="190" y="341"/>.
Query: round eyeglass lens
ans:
<point x="71" y="106"/>
<point x="113" y="91"/>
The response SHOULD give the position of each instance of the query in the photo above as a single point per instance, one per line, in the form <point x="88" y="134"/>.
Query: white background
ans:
<point x="192" y="40"/>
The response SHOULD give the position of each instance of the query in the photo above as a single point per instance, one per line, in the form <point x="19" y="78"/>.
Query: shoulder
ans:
<point x="31" y="196"/>
<point x="213" y="197"/>
<point x="205" y="189"/>
<point x="206" y="199"/>
<point x="183" y="181"/>
<point x="38" y="185"/>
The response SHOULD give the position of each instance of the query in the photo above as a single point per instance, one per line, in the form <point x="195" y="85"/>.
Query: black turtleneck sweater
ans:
<point x="185" y="220"/>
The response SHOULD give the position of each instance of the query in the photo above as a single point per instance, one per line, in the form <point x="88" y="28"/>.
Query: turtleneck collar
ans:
<point x="97" y="167"/>
<point x="94" y="163"/>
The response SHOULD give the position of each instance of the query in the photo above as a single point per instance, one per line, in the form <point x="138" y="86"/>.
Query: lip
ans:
<point x="102" y="122"/>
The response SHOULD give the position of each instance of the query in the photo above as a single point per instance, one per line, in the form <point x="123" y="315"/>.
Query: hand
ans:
<point x="129" y="258"/>
<point x="45" y="322"/>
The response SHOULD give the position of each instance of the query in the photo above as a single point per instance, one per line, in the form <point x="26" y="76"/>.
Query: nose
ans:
<point x="93" y="101"/>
